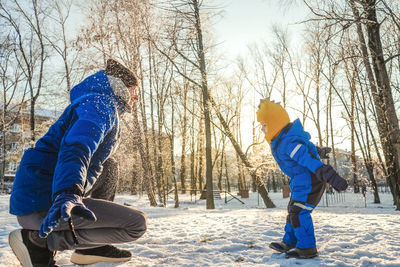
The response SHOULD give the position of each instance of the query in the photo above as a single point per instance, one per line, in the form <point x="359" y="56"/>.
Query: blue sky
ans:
<point x="245" y="22"/>
<point x="248" y="21"/>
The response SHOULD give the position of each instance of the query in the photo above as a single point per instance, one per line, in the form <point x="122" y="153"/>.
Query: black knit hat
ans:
<point x="116" y="69"/>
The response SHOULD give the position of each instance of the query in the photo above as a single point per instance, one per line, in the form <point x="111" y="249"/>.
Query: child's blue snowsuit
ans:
<point x="298" y="158"/>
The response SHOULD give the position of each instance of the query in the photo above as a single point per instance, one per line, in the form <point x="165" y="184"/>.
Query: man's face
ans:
<point x="263" y="127"/>
<point x="134" y="90"/>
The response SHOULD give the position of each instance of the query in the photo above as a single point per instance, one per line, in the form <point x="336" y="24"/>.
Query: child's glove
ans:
<point x="327" y="174"/>
<point x="323" y="152"/>
<point x="64" y="205"/>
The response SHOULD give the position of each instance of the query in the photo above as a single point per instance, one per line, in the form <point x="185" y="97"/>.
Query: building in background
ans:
<point x="17" y="137"/>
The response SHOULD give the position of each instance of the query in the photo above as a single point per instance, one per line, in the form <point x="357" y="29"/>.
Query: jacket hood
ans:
<point x="95" y="84"/>
<point x="298" y="130"/>
<point x="292" y="131"/>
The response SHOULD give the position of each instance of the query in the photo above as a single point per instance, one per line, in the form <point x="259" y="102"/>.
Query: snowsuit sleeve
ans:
<point x="90" y="123"/>
<point x="303" y="155"/>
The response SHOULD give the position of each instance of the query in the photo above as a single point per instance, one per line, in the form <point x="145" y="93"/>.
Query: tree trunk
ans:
<point x="242" y="175"/>
<point x="173" y="169"/>
<point x="370" y="169"/>
<point x="239" y="174"/>
<point x="193" y="180"/>
<point x="143" y="109"/>
<point x="228" y="183"/>
<point x="155" y="178"/>
<point x="32" y="122"/>
<point x="206" y="108"/>
<point x="254" y="182"/>
<point x="200" y="156"/>
<point x="356" y="185"/>
<point x="161" y="179"/>
<point x="3" y="158"/>
<point x="221" y="166"/>
<point x="183" y="154"/>
<point x="274" y="185"/>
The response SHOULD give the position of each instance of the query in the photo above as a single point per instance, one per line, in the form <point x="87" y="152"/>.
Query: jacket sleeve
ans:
<point x="92" y="120"/>
<point x="302" y="154"/>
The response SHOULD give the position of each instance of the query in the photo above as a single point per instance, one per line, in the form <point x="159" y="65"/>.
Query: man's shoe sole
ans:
<point x="77" y="258"/>
<point x="18" y="247"/>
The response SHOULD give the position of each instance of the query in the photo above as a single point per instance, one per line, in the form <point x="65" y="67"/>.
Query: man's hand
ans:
<point x="327" y="174"/>
<point x="63" y="206"/>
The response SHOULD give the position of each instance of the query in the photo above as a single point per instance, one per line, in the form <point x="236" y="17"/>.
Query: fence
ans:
<point x="331" y="197"/>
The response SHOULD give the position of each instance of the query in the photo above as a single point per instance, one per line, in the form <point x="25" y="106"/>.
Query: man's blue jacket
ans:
<point x="297" y="157"/>
<point x="72" y="151"/>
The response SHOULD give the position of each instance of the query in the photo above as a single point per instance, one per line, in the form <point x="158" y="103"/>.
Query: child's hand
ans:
<point x="327" y="174"/>
<point x="323" y="152"/>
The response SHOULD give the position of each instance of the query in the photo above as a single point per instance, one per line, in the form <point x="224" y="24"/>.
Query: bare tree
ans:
<point x="12" y="98"/>
<point x="187" y="17"/>
<point x="184" y="119"/>
<point x="60" y="42"/>
<point x="358" y="17"/>
<point x="381" y="89"/>
<point x="27" y="22"/>
<point x="171" y="134"/>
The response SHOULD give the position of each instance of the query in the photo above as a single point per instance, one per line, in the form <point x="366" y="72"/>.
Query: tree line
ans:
<point x="185" y="133"/>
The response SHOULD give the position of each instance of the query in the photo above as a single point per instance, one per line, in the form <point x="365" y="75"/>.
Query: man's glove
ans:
<point x="323" y="152"/>
<point x="64" y="205"/>
<point x="327" y="174"/>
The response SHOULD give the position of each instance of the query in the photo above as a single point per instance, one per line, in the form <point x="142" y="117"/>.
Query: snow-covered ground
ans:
<point x="235" y="234"/>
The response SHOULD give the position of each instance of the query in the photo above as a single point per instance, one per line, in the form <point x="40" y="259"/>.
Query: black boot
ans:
<point x="280" y="246"/>
<point x="107" y="253"/>
<point x="28" y="252"/>
<point x="302" y="253"/>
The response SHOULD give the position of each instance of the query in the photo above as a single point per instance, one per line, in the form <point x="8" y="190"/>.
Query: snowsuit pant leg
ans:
<point x="289" y="237"/>
<point x="115" y="224"/>
<point x="306" y="194"/>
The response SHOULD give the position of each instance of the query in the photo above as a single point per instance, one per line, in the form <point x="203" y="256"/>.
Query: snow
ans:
<point x="235" y="234"/>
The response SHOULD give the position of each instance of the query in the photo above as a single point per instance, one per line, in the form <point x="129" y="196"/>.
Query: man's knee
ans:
<point x="142" y="222"/>
<point x="138" y="226"/>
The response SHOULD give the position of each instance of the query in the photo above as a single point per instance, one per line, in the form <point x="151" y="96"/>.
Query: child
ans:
<point x="298" y="158"/>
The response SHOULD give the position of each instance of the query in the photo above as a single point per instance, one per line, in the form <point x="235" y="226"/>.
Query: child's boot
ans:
<point x="302" y="253"/>
<point x="280" y="246"/>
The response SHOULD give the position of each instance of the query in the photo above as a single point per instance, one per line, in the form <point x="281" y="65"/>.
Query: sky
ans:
<point x="240" y="24"/>
<point x="246" y="22"/>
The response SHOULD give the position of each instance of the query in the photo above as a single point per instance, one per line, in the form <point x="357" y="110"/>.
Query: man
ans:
<point x="298" y="158"/>
<point x="49" y="195"/>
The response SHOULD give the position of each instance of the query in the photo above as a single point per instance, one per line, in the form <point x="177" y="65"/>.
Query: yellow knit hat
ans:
<point x="274" y="116"/>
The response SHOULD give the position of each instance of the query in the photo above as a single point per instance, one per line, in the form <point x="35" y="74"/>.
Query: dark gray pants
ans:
<point x="115" y="223"/>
